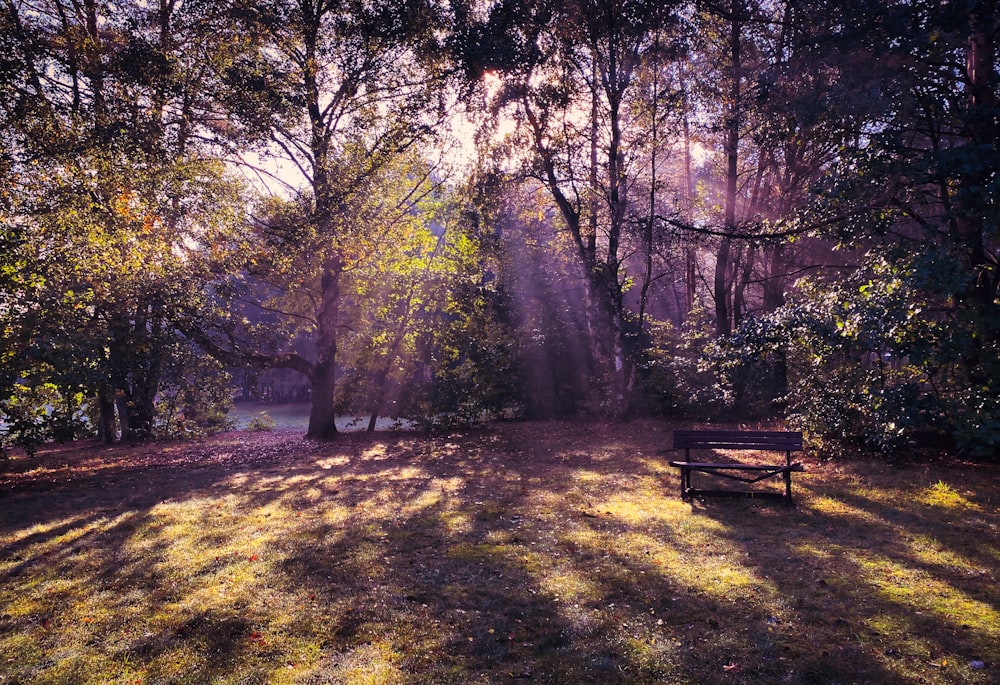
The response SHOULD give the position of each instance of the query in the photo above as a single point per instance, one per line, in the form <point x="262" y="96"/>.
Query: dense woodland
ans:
<point x="454" y="212"/>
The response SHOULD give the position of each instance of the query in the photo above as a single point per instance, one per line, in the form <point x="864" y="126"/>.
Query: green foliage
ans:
<point x="422" y="325"/>
<point x="675" y="376"/>
<point x="122" y="234"/>
<point x="118" y="280"/>
<point x="473" y="363"/>
<point x="855" y="370"/>
<point x="976" y="419"/>
<point x="881" y="358"/>
<point x="195" y="395"/>
<point x="690" y="372"/>
<point x="32" y="415"/>
<point x="262" y="423"/>
<point x="465" y="366"/>
<point x="113" y="199"/>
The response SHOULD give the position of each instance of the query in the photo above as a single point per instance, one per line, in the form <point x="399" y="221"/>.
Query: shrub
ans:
<point x="880" y="360"/>
<point x="262" y="423"/>
<point x="194" y="398"/>
<point x="33" y="414"/>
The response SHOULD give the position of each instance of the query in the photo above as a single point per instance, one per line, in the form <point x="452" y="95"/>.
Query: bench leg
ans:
<point x="685" y="476"/>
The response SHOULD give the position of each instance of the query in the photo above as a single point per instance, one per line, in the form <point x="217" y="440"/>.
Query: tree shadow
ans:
<point x="895" y="611"/>
<point x="546" y="553"/>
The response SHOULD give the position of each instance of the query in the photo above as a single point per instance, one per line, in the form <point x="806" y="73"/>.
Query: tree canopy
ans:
<point x="456" y="212"/>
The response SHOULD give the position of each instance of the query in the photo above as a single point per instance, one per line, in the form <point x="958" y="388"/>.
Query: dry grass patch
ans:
<point x="545" y="553"/>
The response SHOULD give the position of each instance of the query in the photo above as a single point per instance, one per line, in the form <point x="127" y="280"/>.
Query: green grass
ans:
<point x="540" y="552"/>
<point x="295" y="416"/>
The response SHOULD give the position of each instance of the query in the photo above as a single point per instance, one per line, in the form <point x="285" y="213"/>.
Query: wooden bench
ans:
<point x="779" y="441"/>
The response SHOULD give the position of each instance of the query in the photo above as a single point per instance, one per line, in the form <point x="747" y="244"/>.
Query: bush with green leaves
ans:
<point x="194" y="397"/>
<point x="262" y="423"/>
<point x="35" y="413"/>
<point x="676" y="378"/>
<point x="882" y="358"/>
<point x="470" y="367"/>
<point x="687" y="371"/>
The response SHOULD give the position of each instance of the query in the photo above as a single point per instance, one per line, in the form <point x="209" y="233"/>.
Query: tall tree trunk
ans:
<point x="647" y="232"/>
<point x="723" y="282"/>
<point x="322" y="418"/>
<point x="107" y="429"/>
<point x="614" y="80"/>
<point x="690" y="257"/>
<point x="723" y="325"/>
<point x="585" y="242"/>
<point x="323" y="378"/>
<point x="597" y="328"/>
<point x="323" y="374"/>
<point x="982" y="130"/>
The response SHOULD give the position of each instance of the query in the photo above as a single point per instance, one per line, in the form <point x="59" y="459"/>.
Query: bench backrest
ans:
<point x="785" y="441"/>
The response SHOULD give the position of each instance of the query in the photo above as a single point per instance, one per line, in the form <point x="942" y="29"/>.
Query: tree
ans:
<point x="356" y="86"/>
<point x="569" y="78"/>
<point x="460" y="361"/>
<point x="904" y="341"/>
<point x="937" y="151"/>
<point x="110" y="132"/>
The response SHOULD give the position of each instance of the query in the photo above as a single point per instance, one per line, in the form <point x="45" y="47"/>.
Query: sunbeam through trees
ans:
<point x="714" y="209"/>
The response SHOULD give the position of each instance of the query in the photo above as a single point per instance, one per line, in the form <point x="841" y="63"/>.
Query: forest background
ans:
<point x="456" y="212"/>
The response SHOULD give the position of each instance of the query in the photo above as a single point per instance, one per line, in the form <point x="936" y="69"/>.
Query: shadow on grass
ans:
<point x="904" y="591"/>
<point x="544" y="553"/>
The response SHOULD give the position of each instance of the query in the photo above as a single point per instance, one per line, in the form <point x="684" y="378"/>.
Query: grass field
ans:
<point x="535" y="553"/>
<point x="295" y="416"/>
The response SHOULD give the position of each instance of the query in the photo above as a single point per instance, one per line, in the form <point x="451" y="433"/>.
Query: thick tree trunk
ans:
<point x="142" y="408"/>
<point x="619" y="372"/>
<point x="322" y="418"/>
<point x="107" y="430"/>
<point x="323" y="378"/>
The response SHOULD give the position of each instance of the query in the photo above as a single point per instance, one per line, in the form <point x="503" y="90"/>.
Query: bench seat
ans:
<point x="748" y="473"/>
<point x="732" y="465"/>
